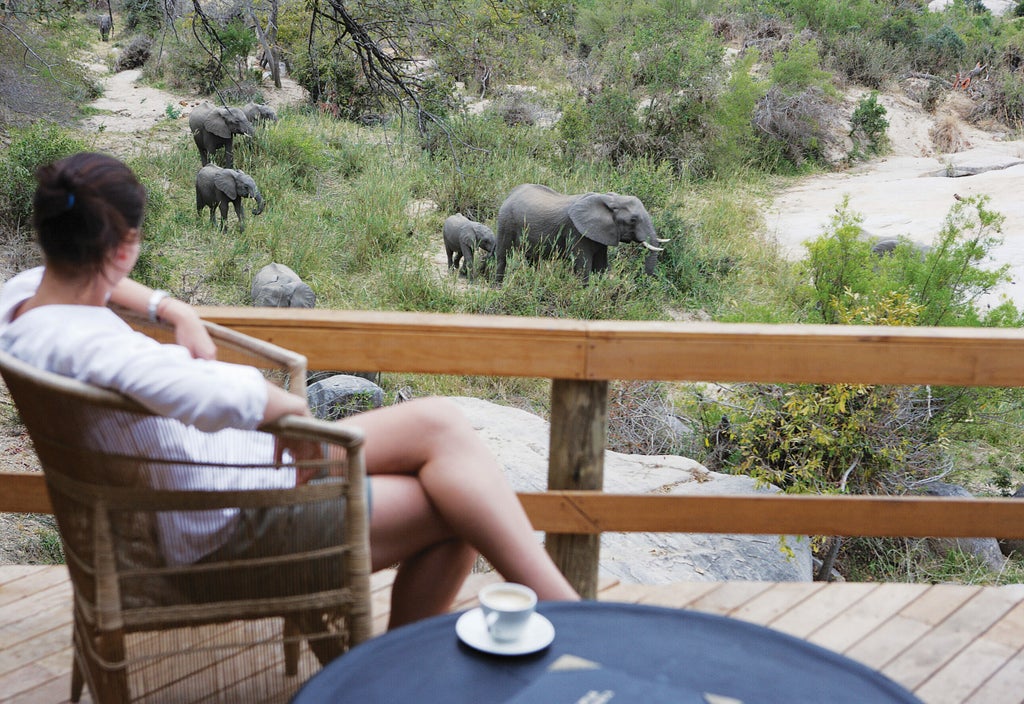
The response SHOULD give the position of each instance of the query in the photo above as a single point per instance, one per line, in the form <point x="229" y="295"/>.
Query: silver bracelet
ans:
<point x="154" y="302"/>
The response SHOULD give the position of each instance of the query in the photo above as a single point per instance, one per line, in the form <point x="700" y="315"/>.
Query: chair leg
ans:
<point x="324" y="646"/>
<point x="77" y="679"/>
<point x="112" y="683"/>
<point x="292" y="631"/>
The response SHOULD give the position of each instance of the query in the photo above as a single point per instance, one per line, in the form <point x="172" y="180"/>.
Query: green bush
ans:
<point x="868" y="126"/>
<point x="30" y="148"/>
<point x="942" y="283"/>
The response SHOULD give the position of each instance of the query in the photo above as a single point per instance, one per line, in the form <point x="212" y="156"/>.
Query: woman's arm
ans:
<point x="189" y="331"/>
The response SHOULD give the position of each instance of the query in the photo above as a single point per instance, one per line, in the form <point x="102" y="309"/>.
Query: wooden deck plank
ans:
<point x="865" y="615"/>
<point x="1006" y="685"/>
<point x="771" y="604"/>
<point x="912" y="622"/>
<point x="821" y="607"/>
<point x="952" y="644"/>
<point x="726" y="597"/>
<point x="941" y="644"/>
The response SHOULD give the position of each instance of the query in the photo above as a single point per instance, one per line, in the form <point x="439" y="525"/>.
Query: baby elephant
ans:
<point x="461" y="237"/>
<point x="216" y="187"/>
<point x="278" y="286"/>
<point x="258" y="112"/>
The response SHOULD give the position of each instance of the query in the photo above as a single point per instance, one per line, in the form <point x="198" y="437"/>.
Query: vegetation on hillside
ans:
<point x="699" y="109"/>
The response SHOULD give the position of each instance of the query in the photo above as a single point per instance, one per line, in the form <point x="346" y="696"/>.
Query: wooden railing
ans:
<point x="581" y="357"/>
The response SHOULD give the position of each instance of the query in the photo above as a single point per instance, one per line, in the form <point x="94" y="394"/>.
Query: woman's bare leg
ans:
<point x="469" y="497"/>
<point x="407" y="531"/>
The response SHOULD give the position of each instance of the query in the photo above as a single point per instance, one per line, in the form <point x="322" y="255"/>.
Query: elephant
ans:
<point x="216" y="187"/>
<point x="105" y="24"/>
<point x="276" y="285"/>
<point x="258" y="112"/>
<point x="581" y="226"/>
<point x="888" y="245"/>
<point x="214" y="127"/>
<point x="461" y="237"/>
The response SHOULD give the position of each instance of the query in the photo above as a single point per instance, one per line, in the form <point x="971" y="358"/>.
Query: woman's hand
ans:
<point x="189" y="331"/>
<point x="300" y="450"/>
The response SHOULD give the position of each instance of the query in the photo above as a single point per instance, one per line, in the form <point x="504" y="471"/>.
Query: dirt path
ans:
<point x="132" y="116"/>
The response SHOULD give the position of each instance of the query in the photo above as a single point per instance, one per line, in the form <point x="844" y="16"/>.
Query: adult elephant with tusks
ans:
<point x="543" y="222"/>
<point x="215" y="127"/>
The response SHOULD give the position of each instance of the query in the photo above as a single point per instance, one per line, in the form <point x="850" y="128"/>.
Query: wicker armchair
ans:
<point x="147" y="628"/>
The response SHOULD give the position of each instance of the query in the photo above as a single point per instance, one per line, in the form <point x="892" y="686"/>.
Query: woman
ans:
<point x="438" y="496"/>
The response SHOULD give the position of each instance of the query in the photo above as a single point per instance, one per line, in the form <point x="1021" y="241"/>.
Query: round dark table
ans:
<point x="696" y="653"/>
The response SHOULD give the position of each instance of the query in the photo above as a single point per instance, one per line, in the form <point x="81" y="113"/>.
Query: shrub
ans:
<point x="868" y="126"/>
<point x="30" y="148"/>
<point x="942" y="283"/>
<point x="793" y="125"/>
<point x="135" y="54"/>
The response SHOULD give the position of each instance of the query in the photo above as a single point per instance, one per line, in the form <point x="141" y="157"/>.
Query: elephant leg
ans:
<point x="223" y="215"/>
<point x="213" y="214"/>
<point x="499" y="265"/>
<point x="451" y="263"/>
<point x="467" y="257"/>
<point x="240" y="212"/>
<point x="229" y="157"/>
<point x="599" y="260"/>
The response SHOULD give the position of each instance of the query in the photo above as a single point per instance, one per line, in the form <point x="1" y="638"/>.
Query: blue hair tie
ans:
<point x="71" y="201"/>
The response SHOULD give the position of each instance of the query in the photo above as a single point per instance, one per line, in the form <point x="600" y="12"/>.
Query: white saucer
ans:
<point x="472" y="630"/>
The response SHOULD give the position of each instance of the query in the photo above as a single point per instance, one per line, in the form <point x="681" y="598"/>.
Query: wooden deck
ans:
<point x="947" y="643"/>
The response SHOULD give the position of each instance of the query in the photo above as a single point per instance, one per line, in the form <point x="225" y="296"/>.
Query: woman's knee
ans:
<point x="440" y="417"/>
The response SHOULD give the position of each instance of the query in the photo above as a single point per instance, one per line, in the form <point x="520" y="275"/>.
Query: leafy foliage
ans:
<point x="868" y="125"/>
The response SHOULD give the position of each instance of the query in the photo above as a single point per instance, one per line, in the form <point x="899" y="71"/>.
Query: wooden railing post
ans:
<point x="579" y="422"/>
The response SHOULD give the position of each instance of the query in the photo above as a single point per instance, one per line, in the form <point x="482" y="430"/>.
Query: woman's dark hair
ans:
<point x="82" y="208"/>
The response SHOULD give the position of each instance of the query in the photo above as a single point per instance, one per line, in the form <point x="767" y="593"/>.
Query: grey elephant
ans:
<point x="276" y="285"/>
<point x="543" y="222"/>
<point x="215" y="127"/>
<point x="216" y="187"/>
<point x="258" y="112"/>
<point x="461" y="237"/>
<point x="106" y="24"/>
<point x="888" y="245"/>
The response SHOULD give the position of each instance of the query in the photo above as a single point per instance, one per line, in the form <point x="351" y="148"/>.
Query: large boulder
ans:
<point x="342" y="395"/>
<point x="985" y="549"/>
<point x="520" y="441"/>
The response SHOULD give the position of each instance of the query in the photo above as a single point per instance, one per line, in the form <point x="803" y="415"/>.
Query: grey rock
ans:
<point x="342" y="395"/>
<point x="520" y="441"/>
<point x="1009" y="546"/>
<point x="987" y="549"/>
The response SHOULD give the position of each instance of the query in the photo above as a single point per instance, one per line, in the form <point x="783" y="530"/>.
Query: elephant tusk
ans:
<point x="653" y="248"/>
<point x="661" y="240"/>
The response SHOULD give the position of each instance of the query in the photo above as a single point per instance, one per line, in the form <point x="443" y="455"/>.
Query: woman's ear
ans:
<point x="128" y="250"/>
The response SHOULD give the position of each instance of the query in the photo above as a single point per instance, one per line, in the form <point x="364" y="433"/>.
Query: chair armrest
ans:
<point x="315" y="429"/>
<point x="232" y="346"/>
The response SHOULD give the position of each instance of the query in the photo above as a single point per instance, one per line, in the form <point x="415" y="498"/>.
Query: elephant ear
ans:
<point x="225" y="181"/>
<point x="592" y="216"/>
<point x="216" y="124"/>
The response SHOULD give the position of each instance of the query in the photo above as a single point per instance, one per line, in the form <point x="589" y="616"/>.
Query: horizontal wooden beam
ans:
<point x="590" y="512"/>
<point x="608" y="350"/>
<point x="787" y="514"/>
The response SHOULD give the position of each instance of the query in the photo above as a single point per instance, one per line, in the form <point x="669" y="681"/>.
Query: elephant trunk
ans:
<point x="259" y="204"/>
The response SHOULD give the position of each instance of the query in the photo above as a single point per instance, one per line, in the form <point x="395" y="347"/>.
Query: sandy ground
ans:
<point x="909" y="192"/>
<point x="133" y="117"/>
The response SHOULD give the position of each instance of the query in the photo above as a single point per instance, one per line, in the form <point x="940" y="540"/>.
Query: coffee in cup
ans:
<point x="507" y="608"/>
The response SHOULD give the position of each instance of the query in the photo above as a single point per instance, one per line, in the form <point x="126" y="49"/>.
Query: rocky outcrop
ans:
<point x="520" y="441"/>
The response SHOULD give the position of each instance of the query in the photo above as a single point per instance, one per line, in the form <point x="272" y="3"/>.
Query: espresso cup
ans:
<point x="507" y="608"/>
